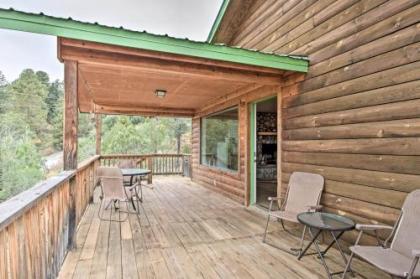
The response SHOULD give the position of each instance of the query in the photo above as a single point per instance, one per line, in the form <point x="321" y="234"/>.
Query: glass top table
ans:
<point x="135" y="172"/>
<point x="332" y="224"/>
<point x="326" y="221"/>
<point x="132" y="173"/>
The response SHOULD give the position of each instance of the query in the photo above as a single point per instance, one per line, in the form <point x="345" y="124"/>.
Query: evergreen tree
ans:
<point x="26" y="96"/>
<point x="3" y="84"/>
<point x="179" y="127"/>
<point x="54" y="100"/>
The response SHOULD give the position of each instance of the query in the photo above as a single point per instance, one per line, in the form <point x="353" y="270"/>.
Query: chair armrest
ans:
<point x="365" y="227"/>
<point x="274" y="198"/>
<point x="415" y="253"/>
<point x="314" y="208"/>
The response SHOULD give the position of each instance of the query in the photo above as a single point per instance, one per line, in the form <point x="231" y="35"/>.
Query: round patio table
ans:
<point x="333" y="224"/>
<point x="132" y="173"/>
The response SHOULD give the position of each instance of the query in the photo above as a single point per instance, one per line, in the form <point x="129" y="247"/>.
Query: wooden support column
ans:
<point x="70" y="140"/>
<point x="98" y="125"/>
<point x="279" y="143"/>
<point x="70" y="115"/>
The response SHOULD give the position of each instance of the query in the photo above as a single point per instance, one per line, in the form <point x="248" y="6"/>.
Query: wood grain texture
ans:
<point x="36" y="226"/>
<point x="355" y="117"/>
<point x="180" y="234"/>
<point x="70" y="116"/>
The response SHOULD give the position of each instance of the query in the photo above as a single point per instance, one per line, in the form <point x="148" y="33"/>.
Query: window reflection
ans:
<point x="219" y="140"/>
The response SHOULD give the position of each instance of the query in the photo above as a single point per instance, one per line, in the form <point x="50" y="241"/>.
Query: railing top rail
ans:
<point x="16" y="206"/>
<point x="19" y="204"/>
<point x="110" y="156"/>
<point x="86" y="163"/>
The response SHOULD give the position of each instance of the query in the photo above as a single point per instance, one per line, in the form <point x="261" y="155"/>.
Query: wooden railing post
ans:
<point x="150" y="166"/>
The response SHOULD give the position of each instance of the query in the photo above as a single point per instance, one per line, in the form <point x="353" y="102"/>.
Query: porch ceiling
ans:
<point x="118" y="70"/>
<point x="114" y="79"/>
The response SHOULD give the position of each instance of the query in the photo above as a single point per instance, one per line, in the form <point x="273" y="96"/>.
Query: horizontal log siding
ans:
<point x="355" y="118"/>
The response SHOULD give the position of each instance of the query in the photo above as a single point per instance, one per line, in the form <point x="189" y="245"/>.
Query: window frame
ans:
<point x="226" y="170"/>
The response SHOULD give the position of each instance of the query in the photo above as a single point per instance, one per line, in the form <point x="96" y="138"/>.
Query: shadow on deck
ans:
<point x="187" y="231"/>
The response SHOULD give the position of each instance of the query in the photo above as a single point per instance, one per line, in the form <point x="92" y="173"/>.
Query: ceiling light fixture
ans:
<point x="160" y="93"/>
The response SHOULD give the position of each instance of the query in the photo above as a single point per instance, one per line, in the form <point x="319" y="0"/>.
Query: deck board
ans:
<point x="187" y="231"/>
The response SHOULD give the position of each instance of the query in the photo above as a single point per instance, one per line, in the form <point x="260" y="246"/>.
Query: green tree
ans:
<point x="54" y="100"/>
<point x="123" y="137"/>
<point x="43" y="78"/>
<point x="178" y="127"/>
<point x="57" y="124"/>
<point x="86" y="136"/>
<point x="26" y="96"/>
<point x="20" y="161"/>
<point x="3" y="85"/>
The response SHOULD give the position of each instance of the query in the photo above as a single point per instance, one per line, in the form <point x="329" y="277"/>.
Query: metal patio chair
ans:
<point x="128" y="164"/>
<point x="401" y="258"/>
<point x="303" y="195"/>
<point x="113" y="191"/>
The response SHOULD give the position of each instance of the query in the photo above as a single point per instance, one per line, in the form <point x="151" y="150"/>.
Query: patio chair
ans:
<point x="128" y="164"/>
<point x="303" y="195"/>
<point x="401" y="258"/>
<point x="113" y="191"/>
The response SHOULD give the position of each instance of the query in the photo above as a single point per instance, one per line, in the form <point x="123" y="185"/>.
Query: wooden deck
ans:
<point x="187" y="231"/>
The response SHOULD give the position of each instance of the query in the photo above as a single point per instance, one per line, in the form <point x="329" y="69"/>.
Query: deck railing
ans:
<point x="165" y="164"/>
<point x="37" y="226"/>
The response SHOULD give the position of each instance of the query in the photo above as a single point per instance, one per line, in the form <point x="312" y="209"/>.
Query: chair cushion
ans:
<point x="385" y="259"/>
<point x="285" y="215"/>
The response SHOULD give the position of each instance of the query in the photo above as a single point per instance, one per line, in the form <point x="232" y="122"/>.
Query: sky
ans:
<point x="179" y="18"/>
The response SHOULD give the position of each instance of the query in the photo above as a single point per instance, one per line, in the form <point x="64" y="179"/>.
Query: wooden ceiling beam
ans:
<point x="65" y="42"/>
<point x="149" y="65"/>
<point x="144" y="111"/>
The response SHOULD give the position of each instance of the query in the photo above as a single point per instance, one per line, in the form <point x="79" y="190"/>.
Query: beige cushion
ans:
<point x="386" y="259"/>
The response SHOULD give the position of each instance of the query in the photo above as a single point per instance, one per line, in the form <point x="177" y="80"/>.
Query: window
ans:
<point x="219" y="140"/>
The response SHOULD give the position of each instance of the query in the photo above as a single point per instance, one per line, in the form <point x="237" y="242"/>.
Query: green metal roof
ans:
<point x="69" y="28"/>
<point x="218" y="20"/>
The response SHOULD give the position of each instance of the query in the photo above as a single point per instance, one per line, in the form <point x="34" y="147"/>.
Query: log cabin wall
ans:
<point x="232" y="184"/>
<point x="355" y="118"/>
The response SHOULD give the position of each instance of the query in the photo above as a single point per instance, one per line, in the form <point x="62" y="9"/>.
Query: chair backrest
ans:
<point x="111" y="181"/>
<point x="304" y="190"/>
<point x="407" y="234"/>
<point x="126" y="164"/>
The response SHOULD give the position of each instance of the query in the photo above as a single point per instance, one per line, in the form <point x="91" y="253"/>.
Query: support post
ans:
<point x="279" y="144"/>
<point x="98" y="125"/>
<point x="70" y="116"/>
<point x="70" y="140"/>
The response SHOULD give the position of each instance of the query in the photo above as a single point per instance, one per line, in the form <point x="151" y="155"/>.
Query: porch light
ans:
<point x="160" y="93"/>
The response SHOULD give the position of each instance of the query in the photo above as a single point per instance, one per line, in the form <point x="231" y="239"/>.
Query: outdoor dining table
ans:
<point x="132" y="173"/>
<point x="334" y="224"/>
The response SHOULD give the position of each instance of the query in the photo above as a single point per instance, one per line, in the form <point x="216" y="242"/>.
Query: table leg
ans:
<point x="321" y="255"/>
<point x="314" y="238"/>
<point x="332" y="242"/>
<point x="336" y="238"/>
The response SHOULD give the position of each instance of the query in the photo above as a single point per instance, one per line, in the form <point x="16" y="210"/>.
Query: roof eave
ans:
<point x="68" y="28"/>
<point x="218" y="20"/>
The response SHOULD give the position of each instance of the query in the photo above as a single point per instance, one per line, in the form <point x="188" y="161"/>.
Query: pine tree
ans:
<point x="26" y="97"/>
